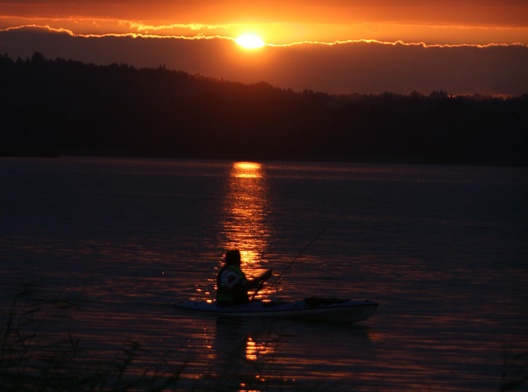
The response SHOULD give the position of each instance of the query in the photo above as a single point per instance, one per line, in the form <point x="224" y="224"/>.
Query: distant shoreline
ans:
<point x="29" y="153"/>
<point x="62" y="107"/>
<point x="44" y="154"/>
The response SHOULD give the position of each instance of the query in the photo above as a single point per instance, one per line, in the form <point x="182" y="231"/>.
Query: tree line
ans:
<point x="68" y="107"/>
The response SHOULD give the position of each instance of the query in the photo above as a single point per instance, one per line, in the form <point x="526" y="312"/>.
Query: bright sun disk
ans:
<point x="250" y="41"/>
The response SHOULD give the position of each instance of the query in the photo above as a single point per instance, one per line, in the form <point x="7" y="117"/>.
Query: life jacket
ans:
<point x="231" y="293"/>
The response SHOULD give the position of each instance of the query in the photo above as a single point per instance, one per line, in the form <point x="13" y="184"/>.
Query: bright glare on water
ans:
<point x="443" y="249"/>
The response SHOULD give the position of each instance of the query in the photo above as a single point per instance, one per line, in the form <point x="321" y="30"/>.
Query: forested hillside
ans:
<point x="66" y="107"/>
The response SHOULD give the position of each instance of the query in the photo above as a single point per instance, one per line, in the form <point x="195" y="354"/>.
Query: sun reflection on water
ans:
<point x="247" y="170"/>
<point x="245" y="226"/>
<point x="256" y="348"/>
<point x="246" y="207"/>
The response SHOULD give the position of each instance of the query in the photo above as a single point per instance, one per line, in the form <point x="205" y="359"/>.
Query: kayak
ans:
<point x="309" y="309"/>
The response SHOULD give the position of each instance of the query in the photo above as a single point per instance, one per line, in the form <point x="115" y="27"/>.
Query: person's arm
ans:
<point x="254" y="283"/>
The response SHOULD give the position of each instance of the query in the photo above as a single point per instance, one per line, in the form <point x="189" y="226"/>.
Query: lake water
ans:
<point x="443" y="249"/>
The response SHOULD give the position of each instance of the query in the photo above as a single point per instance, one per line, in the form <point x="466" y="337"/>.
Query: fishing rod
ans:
<point x="278" y="278"/>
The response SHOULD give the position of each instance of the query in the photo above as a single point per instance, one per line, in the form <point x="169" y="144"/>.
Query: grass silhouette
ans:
<point x="32" y="359"/>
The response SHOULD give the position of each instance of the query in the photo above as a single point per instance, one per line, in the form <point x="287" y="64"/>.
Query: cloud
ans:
<point x="341" y="67"/>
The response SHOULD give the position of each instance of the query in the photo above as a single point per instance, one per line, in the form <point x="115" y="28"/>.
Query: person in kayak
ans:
<point x="231" y="283"/>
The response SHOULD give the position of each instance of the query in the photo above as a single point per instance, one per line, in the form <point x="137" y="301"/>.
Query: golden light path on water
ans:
<point x="245" y="228"/>
<point x="245" y="209"/>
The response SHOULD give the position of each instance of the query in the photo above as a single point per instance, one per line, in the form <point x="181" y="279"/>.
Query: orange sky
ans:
<point x="285" y="22"/>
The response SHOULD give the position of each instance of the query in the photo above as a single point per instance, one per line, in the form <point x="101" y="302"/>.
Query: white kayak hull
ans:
<point x="312" y="309"/>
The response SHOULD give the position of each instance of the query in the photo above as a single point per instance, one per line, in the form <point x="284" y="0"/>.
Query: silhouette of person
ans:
<point x="231" y="283"/>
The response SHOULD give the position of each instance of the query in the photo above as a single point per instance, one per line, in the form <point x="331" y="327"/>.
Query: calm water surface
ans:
<point x="443" y="249"/>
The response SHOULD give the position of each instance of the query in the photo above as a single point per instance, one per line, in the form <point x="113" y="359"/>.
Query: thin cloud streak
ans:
<point x="50" y="29"/>
<point x="394" y="43"/>
<point x="146" y="34"/>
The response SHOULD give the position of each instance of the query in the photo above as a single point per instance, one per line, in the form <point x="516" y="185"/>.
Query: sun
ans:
<point x="250" y="41"/>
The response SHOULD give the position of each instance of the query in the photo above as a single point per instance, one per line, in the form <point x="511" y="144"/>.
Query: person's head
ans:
<point x="232" y="257"/>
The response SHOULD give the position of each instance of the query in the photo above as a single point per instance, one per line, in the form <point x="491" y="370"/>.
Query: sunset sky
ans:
<point x="462" y="46"/>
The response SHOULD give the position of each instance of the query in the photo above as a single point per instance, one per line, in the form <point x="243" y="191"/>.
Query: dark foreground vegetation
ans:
<point x="34" y="357"/>
<point x="65" y="107"/>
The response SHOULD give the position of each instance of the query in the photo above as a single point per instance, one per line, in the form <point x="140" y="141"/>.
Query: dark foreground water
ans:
<point x="443" y="249"/>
